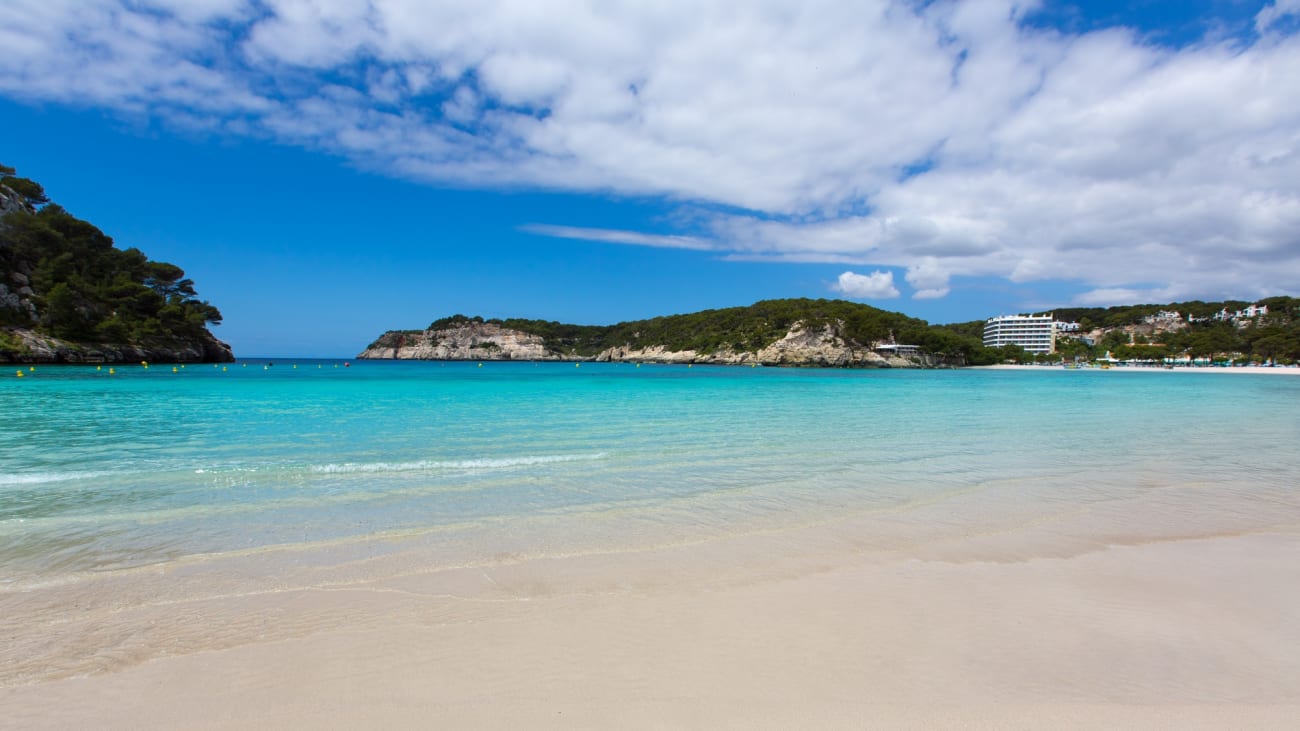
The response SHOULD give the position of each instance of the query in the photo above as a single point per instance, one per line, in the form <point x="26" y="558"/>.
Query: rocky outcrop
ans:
<point x="26" y="346"/>
<point x="16" y="297"/>
<point x="11" y="201"/>
<point x="802" y="346"/>
<point x="470" y="341"/>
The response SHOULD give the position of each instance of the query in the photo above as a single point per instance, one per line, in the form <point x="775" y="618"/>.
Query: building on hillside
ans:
<point x="1163" y="316"/>
<point x="904" y="351"/>
<point x="1246" y="314"/>
<point x="1066" y="327"/>
<point x="1034" y="333"/>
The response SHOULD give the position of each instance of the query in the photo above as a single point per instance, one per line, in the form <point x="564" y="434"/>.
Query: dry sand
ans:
<point x="1035" y="626"/>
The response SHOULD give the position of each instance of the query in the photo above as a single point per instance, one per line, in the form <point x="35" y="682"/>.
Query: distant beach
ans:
<point x="1247" y="370"/>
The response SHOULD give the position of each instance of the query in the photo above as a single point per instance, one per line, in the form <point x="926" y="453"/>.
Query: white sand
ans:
<point x="809" y="629"/>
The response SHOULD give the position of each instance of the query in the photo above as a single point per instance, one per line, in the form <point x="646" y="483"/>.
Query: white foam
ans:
<point x="441" y="465"/>
<point x="40" y="478"/>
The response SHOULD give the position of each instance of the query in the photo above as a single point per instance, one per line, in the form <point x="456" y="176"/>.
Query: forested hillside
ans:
<point x="750" y="328"/>
<point x="61" y="277"/>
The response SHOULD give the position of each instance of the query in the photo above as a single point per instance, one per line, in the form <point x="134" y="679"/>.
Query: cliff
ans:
<point x="802" y="345"/>
<point x="28" y="346"/>
<point x="469" y="341"/>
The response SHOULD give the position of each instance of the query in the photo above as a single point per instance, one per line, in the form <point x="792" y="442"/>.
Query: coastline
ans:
<point x="1239" y="370"/>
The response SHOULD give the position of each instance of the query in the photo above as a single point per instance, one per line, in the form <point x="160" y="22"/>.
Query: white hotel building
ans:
<point x="1034" y="333"/>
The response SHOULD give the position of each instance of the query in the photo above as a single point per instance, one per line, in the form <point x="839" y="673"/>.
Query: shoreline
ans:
<point x="935" y="617"/>
<point x="1240" y="370"/>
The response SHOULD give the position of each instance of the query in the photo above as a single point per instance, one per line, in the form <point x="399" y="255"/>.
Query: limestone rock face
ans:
<point x="471" y="341"/>
<point x="35" y="347"/>
<point x="817" y="347"/>
<point x="656" y="354"/>
<point x="11" y="201"/>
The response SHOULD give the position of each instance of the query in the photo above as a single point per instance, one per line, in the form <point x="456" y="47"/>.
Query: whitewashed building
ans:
<point x="1034" y="333"/>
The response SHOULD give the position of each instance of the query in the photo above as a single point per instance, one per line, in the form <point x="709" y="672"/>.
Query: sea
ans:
<point x="131" y="481"/>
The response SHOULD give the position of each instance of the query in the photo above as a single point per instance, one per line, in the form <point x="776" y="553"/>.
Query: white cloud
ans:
<point x="876" y="285"/>
<point x="929" y="278"/>
<point x="1274" y="12"/>
<point x="944" y="138"/>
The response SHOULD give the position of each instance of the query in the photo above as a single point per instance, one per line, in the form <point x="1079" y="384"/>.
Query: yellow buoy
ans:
<point x="224" y="369"/>
<point x="175" y="369"/>
<point x="577" y="365"/>
<point x="295" y="365"/>
<point x="31" y="368"/>
<point x="480" y="365"/>
<point x="99" y="368"/>
<point x="20" y="374"/>
<point x="111" y="371"/>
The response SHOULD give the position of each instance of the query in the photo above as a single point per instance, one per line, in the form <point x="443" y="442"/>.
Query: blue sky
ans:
<point x="329" y="170"/>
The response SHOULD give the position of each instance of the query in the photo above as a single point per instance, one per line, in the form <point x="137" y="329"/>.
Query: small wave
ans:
<point x="40" y="478"/>
<point x="464" y="464"/>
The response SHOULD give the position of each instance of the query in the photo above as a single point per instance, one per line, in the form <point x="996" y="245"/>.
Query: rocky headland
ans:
<point x="69" y="295"/>
<point x="802" y="345"/>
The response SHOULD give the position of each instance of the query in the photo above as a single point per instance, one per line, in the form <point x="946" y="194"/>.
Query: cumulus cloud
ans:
<point x="929" y="278"/>
<point x="946" y="139"/>
<point x="876" y="285"/>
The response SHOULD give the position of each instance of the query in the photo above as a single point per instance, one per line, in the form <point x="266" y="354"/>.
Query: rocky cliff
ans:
<point x="26" y="346"/>
<point x="802" y="346"/>
<point x="470" y="341"/>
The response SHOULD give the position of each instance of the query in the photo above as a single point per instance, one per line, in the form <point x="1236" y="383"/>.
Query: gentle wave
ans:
<point x="41" y="478"/>
<point x="464" y="464"/>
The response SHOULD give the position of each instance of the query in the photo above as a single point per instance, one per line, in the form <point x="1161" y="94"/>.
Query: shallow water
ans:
<point x="152" y="513"/>
<point x="104" y="472"/>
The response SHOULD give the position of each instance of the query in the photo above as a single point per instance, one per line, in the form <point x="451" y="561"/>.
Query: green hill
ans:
<point x="67" y="294"/>
<point x="738" y="329"/>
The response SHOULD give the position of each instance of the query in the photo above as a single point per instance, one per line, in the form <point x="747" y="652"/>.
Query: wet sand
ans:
<point x="1028" y="624"/>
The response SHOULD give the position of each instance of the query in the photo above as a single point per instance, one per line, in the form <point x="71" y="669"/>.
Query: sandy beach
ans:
<point x="939" y="620"/>
<point x="1238" y="370"/>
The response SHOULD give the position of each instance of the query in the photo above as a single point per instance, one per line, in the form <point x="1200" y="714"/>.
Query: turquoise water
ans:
<point x="100" y="473"/>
